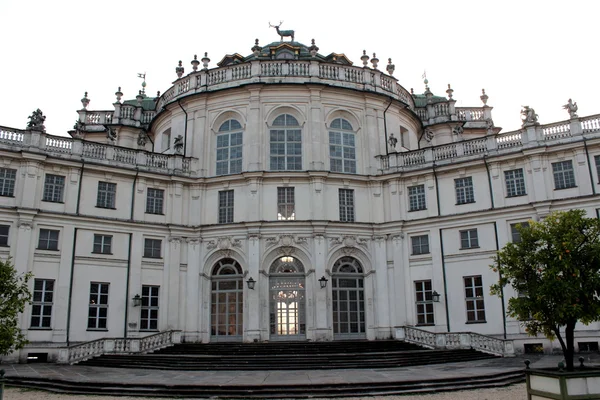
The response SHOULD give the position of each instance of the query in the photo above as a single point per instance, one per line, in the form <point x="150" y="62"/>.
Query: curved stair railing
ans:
<point x="456" y="340"/>
<point x="83" y="351"/>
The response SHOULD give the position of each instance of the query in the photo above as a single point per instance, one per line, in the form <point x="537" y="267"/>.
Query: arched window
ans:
<point x="227" y="304"/>
<point x="229" y="148"/>
<point x="348" y="299"/>
<point x="287" y="299"/>
<point x="286" y="144"/>
<point x="342" y="147"/>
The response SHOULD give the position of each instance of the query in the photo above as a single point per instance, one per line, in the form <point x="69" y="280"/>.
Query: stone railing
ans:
<point x="532" y="136"/>
<point x="83" y="351"/>
<point x="76" y="149"/>
<point x="456" y="340"/>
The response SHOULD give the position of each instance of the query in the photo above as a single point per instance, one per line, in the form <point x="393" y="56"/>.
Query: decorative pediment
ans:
<point x="348" y="241"/>
<point x="286" y="241"/>
<point x="231" y="59"/>
<point x="338" y="59"/>
<point x="223" y="243"/>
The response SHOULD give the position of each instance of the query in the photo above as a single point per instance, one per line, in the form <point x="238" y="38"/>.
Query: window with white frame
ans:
<point x="514" y="232"/>
<point x="424" y="302"/>
<point x="48" y="239"/>
<point x="286" y="207"/>
<point x="166" y="140"/>
<point x="226" y="206"/>
<point x="152" y="248"/>
<point x="106" y="195"/>
<point x="515" y="182"/>
<point x="342" y="146"/>
<point x="346" y="200"/>
<point x="416" y="198"/>
<point x="54" y="188"/>
<point x="285" y="140"/>
<point x="7" y="182"/>
<point x="98" y="307"/>
<point x="469" y="239"/>
<point x="4" y="229"/>
<point x="149" y="309"/>
<point x="597" y="160"/>
<point x="420" y="244"/>
<point x="41" y="308"/>
<point x="102" y="244"/>
<point x="464" y="190"/>
<point x="154" y="201"/>
<point x="564" y="175"/>
<point x="229" y="148"/>
<point x="474" y="299"/>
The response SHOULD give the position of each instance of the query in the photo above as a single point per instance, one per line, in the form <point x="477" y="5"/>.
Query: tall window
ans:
<point x="102" y="244"/>
<point x="152" y="248"/>
<point x="474" y="299"/>
<point x="229" y="148"/>
<point x="106" y="195"/>
<point x="424" y="302"/>
<point x="348" y="298"/>
<point x="166" y="140"/>
<point x="149" y="310"/>
<point x="464" y="190"/>
<point x="154" y="201"/>
<point x="54" y="188"/>
<point x="98" y="307"/>
<point x="285" y="204"/>
<point x="43" y="295"/>
<point x="226" y="206"/>
<point x="7" y="182"/>
<point x="48" y="239"/>
<point x="342" y="147"/>
<point x="564" y="175"/>
<point x="4" y="229"/>
<point x="514" y="232"/>
<point x="227" y="300"/>
<point x="469" y="239"/>
<point x="416" y="198"/>
<point x="515" y="182"/>
<point x="597" y="160"/>
<point x="420" y="244"/>
<point x="286" y="144"/>
<point x="346" y="197"/>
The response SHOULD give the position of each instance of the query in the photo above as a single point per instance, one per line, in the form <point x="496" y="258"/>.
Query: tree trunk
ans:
<point x="570" y="342"/>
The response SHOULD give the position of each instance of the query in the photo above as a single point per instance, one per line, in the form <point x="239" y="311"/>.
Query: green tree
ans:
<point x="14" y="295"/>
<point x="555" y="268"/>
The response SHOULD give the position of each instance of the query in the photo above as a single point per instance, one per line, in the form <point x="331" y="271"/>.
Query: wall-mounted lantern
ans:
<point x="137" y="300"/>
<point x="435" y="296"/>
<point x="251" y="282"/>
<point x="323" y="282"/>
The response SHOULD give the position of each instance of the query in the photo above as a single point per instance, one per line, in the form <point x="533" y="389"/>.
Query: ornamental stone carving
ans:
<point x="36" y="121"/>
<point x="286" y="241"/>
<point x="529" y="117"/>
<point x="347" y="241"/>
<point x="223" y="243"/>
<point x="571" y="108"/>
<point x="25" y="225"/>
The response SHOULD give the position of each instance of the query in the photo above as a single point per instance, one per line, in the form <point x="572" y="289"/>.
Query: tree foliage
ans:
<point x="555" y="269"/>
<point x="14" y="295"/>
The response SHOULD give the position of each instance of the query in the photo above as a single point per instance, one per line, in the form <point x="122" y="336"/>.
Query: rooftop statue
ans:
<point x="282" y="34"/>
<point x="36" y="121"/>
<point x="528" y="116"/>
<point x="571" y="108"/>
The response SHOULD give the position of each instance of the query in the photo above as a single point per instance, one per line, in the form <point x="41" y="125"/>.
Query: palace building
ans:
<point x="284" y="195"/>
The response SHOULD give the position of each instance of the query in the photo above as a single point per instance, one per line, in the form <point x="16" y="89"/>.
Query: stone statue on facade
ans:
<point x="36" y="121"/>
<point x="111" y="135"/>
<point x="142" y="139"/>
<point x="458" y="130"/>
<point x="571" y="108"/>
<point x="392" y="141"/>
<point x="178" y="144"/>
<point x="283" y="34"/>
<point x="528" y="116"/>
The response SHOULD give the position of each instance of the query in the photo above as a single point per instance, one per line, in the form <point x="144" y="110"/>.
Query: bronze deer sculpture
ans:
<point x="282" y="34"/>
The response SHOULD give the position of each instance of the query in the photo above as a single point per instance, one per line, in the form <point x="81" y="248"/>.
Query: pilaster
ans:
<point x="192" y="303"/>
<point x="254" y="142"/>
<point x="252" y="304"/>
<point x="381" y="295"/>
<point x="172" y="263"/>
<point x="322" y="297"/>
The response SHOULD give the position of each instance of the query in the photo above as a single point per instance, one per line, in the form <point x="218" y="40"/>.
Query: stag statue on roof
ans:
<point x="282" y="34"/>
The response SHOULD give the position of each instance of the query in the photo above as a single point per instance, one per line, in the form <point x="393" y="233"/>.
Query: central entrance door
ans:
<point x="287" y="314"/>
<point x="227" y="304"/>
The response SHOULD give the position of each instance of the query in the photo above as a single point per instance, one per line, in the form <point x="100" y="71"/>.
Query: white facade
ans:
<point x="294" y="219"/>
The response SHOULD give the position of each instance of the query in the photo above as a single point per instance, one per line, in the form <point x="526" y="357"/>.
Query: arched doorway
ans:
<point x="227" y="301"/>
<point x="347" y="285"/>
<point x="287" y="309"/>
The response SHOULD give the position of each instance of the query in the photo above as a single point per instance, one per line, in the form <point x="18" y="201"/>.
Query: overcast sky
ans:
<point x="536" y="53"/>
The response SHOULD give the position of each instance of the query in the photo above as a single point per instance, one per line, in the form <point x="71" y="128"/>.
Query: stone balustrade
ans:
<point x="76" y="149"/>
<point x="456" y="340"/>
<point x="83" y="351"/>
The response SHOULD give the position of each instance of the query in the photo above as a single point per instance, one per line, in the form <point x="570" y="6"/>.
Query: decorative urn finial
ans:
<point x="158" y="93"/>
<point x="205" y="60"/>
<point x="85" y="101"/>
<point x="450" y="91"/>
<point x="195" y="63"/>
<point x="390" y="67"/>
<point x="179" y="70"/>
<point x="484" y="97"/>
<point x="256" y="48"/>
<point x="313" y="48"/>
<point x="374" y="61"/>
<point x="364" y="58"/>
<point x="119" y="94"/>
<point x="139" y="98"/>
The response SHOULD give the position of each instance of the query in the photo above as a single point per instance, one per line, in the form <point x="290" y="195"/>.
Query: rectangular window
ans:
<point x="98" y="307"/>
<point x="515" y="182"/>
<point x="474" y="299"/>
<point x="469" y="239"/>
<point x="564" y="175"/>
<point x="103" y="244"/>
<point x="4" y="229"/>
<point x="106" y="195"/>
<point x="516" y="236"/>
<point x="420" y="244"/>
<point x="149" y="310"/>
<point x="154" y="201"/>
<point x="226" y="206"/>
<point x="7" y="182"/>
<point x="166" y="140"/>
<point x="43" y="297"/>
<point x="464" y="190"/>
<point x="286" y="210"/>
<point x="346" y="197"/>
<point x="54" y="188"/>
<point x="424" y="302"/>
<point x="597" y="160"/>
<point x="48" y="239"/>
<point x="152" y="248"/>
<point x="416" y="198"/>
